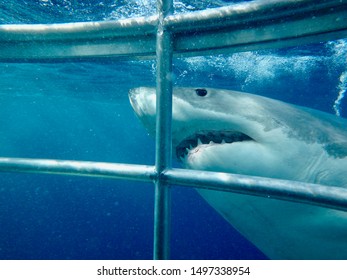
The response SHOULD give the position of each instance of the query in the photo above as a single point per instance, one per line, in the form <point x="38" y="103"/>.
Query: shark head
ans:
<point x="230" y="131"/>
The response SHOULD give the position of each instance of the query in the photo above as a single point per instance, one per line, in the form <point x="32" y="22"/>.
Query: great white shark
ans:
<point x="229" y="131"/>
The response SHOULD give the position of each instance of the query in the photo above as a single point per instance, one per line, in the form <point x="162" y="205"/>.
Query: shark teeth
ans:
<point x="208" y="138"/>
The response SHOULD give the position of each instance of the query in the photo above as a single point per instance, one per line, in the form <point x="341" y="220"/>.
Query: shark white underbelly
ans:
<point x="228" y="131"/>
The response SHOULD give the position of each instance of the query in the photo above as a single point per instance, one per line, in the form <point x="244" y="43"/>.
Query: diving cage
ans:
<point x="247" y="26"/>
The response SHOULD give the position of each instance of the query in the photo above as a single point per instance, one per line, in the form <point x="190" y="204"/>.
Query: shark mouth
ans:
<point x="206" y="137"/>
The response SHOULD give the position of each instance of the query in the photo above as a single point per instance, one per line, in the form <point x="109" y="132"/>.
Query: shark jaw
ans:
<point x="203" y="139"/>
<point x="228" y="131"/>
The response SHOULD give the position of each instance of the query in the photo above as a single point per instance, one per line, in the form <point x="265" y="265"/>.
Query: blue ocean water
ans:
<point x="80" y="111"/>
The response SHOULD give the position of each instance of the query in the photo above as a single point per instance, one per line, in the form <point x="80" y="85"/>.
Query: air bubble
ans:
<point x="342" y="87"/>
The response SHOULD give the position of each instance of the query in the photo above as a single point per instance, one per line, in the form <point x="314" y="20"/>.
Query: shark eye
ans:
<point x="201" y="92"/>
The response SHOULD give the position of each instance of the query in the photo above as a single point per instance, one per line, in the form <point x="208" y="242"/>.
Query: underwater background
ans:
<point x="81" y="111"/>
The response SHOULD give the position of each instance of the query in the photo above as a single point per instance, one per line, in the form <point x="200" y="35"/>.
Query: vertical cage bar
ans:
<point x="162" y="207"/>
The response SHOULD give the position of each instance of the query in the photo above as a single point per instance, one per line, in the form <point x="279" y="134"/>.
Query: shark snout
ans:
<point x="142" y="100"/>
<point x="133" y="94"/>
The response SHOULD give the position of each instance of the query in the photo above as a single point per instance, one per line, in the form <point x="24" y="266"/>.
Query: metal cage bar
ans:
<point x="325" y="196"/>
<point x="162" y="204"/>
<point x="247" y="26"/>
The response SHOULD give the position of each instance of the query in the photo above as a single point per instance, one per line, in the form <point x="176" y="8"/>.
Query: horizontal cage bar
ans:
<point x="325" y="196"/>
<point x="143" y="173"/>
<point x="247" y="26"/>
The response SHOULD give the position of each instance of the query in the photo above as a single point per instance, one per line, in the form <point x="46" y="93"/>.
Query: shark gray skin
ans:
<point x="229" y="131"/>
